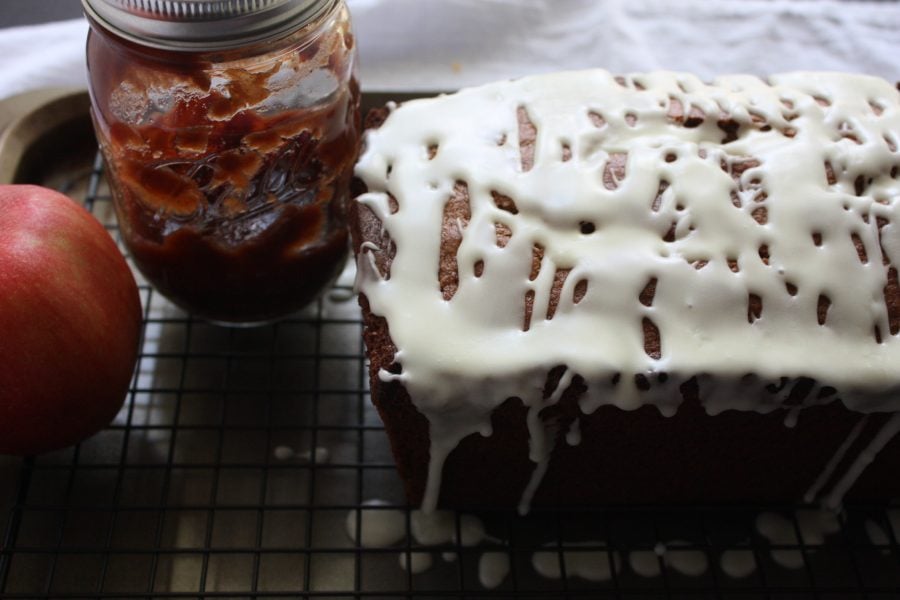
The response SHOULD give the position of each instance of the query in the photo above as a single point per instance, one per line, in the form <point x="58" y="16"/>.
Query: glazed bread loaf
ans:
<point x="580" y="288"/>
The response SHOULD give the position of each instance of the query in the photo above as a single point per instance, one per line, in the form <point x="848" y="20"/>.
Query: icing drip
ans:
<point x="864" y="459"/>
<point x="882" y="437"/>
<point x="416" y="562"/>
<point x="877" y="536"/>
<point x="826" y="474"/>
<point x="341" y="295"/>
<point x="283" y="452"/>
<point x="536" y="476"/>
<point x="894" y="518"/>
<point x="812" y="398"/>
<point x="493" y="567"/>
<point x="780" y="531"/>
<point x="633" y="231"/>
<point x="645" y="563"/>
<point x="813" y="525"/>
<point x="318" y="456"/>
<point x="691" y="563"/>
<point x="590" y="565"/>
<point x="432" y="529"/>
<point x="541" y="440"/>
<point x="573" y="436"/>
<point x="378" y="527"/>
<point x="587" y="560"/>
<point x="383" y="528"/>
<point x="737" y="564"/>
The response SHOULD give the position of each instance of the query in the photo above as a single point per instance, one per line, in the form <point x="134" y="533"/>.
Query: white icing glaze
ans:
<point x="439" y="527"/>
<point x="493" y="567"/>
<point x="876" y="533"/>
<point x="877" y="536"/>
<point x="383" y="528"/>
<point x="737" y="564"/>
<point x="542" y="437"/>
<point x="894" y="518"/>
<point x="832" y="464"/>
<point x="471" y="531"/>
<point x="573" y="436"/>
<point x="692" y="563"/>
<point x="431" y="529"/>
<point x="319" y="456"/>
<point x="811" y="399"/>
<point x="590" y="565"/>
<point x="863" y="460"/>
<point x="484" y="356"/>
<point x="378" y="528"/>
<point x="283" y="452"/>
<point x="416" y="562"/>
<point x="780" y="531"/>
<point x="341" y="295"/>
<point x="814" y="527"/>
<point x="645" y="563"/>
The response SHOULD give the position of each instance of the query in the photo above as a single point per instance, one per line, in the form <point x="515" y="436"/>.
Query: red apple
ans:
<point x="70" y="321"/>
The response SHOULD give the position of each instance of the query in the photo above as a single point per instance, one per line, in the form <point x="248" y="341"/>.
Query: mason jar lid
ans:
<point x="200" y="25"/>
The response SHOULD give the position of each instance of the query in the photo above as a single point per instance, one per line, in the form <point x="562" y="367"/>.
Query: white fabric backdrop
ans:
<point x="446" y="44"/>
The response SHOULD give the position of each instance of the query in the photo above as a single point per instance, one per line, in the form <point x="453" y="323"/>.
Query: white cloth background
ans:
<point x="446" y="44"/>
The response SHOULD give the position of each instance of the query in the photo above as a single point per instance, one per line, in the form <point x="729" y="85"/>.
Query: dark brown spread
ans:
<point x="233" y="206"/>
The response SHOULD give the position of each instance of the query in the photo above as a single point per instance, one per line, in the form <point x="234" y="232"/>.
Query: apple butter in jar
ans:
<point x="229" y="131"/>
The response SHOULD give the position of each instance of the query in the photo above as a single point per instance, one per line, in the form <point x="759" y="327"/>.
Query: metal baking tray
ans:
<point x="245" y="462"/>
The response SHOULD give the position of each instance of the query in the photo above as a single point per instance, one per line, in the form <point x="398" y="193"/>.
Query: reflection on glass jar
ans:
<point x="229" y="156"/>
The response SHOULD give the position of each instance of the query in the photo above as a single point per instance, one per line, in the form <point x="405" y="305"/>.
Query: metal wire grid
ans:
<point x="185" y="495"/>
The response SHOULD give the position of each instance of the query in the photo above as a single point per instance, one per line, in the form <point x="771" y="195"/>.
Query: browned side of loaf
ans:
<point x="624" y="457"/>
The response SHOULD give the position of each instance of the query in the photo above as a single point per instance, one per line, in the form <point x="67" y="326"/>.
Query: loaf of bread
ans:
<point x="581" y="289"/>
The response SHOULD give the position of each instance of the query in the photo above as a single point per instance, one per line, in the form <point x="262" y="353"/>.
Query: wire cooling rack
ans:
<point x="241" y="456"/>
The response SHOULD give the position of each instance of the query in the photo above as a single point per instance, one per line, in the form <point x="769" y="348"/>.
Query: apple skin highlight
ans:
<point x="70" y="322"/>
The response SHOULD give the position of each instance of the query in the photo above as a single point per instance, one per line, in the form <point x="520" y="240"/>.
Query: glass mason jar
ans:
<point x="229" y="131"/>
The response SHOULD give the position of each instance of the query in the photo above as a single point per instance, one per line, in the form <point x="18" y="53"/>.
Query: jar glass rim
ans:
<point x="203" y="25"/>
